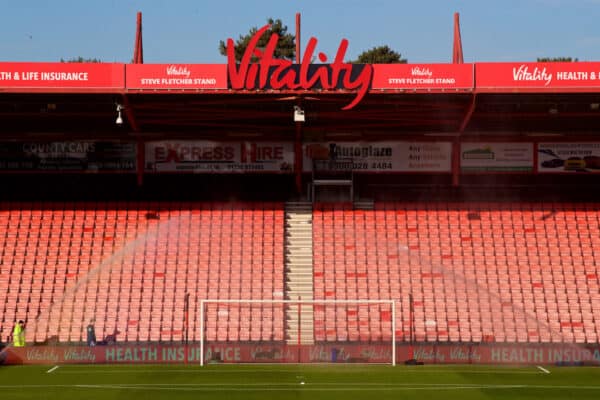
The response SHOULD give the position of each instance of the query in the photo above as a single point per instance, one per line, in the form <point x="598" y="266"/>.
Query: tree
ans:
<point x="556" y="59"/>
<point x="81" y="60"/>
<point x="286" y="47"/>
<point x="379" y="55"/>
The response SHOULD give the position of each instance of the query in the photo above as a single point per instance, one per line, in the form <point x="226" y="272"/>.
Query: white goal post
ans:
<point x="297" y="331"/>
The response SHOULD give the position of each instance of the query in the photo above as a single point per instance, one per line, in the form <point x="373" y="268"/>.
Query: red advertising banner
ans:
<point x="553" y="75"/>
<point x="422" y="76"/>
<point x="498" y="353"/>
<point x="213" y="352"/>
<point x="62" y="75"/>
<point x="176" y="76"/>
<point x="488" y="353"/>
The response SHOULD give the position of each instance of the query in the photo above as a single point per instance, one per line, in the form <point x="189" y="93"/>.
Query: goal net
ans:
<point x="297" y="331"/>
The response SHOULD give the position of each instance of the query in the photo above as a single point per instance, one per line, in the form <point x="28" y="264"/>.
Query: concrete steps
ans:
<point x="299" y="272"/>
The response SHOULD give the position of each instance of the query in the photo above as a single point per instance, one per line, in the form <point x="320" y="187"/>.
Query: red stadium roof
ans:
<point x="341" y="101"/>
<point x="525" y="107"/>
<point x="257" y="99"/>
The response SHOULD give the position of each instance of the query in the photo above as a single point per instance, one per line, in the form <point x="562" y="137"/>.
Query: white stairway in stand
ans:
<point x="299" y="272"/>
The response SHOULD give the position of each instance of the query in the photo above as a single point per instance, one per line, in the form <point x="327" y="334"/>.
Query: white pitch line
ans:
<point x="544" y="370"/>
<point x="296" y="387"/>
<point x="51" y="370"/>
<point x="225" y="371"/>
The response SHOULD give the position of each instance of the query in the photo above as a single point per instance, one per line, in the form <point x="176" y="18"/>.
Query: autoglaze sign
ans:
<point x="382" y="156"/>
<point x="279" y="74"/>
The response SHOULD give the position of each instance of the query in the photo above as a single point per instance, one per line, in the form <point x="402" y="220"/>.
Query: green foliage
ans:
<point x="286" y="47"/>
<point x="80" y="60"/>
<point x="557" y="59"/>
<point x="380" y="55"/>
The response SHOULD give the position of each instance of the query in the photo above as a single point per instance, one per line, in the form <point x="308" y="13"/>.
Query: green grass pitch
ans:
<point x="297" y="382"/>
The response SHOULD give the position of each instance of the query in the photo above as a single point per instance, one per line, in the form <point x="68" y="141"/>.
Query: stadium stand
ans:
<point x="128" y="266"/>
<point x="477" y="271"/>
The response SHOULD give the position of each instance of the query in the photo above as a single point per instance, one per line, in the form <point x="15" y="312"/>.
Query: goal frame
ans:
<point x="299" y="302"/>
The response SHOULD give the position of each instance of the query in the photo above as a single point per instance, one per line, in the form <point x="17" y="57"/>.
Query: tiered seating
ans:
<point x="515" y="272"/>
<point x="129" y="266"/>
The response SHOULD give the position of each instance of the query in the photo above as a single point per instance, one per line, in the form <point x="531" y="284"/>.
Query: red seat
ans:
<point x="75" y="241"/>
<point x="505" y="265"/>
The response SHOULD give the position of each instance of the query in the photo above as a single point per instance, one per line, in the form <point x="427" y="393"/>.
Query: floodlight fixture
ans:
<point x="298" y="114"/>
<point x="119" y="120"/>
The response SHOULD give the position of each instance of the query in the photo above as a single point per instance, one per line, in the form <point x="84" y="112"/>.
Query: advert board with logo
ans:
<point x="422" y="76"/>
<point x="568" y="157"/>
<point x="552" y="75"/>
<point x="76" y="156"/>
<point x="66" y="76"/>
<point x="176" y="76"/>
<point x="272" y="352"/>
<point x="496" y="157"/>
<point x="187" y="156"/>
<point x="381" y="156"/>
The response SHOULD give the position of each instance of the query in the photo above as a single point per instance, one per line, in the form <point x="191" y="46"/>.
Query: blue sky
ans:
<point x="188" y="31"/>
